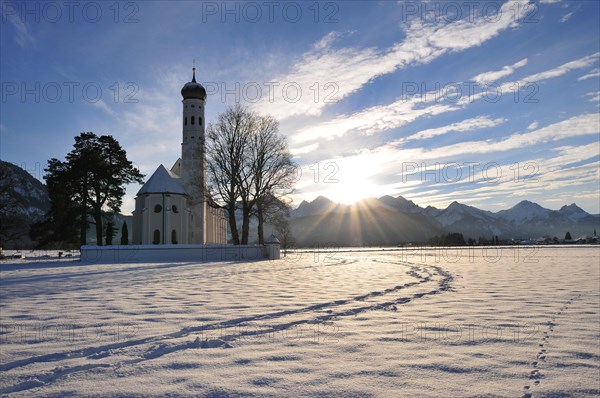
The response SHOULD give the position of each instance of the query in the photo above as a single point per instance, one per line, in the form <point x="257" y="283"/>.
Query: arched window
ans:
<point x="174" y="237"/>
<point x="192" y="120"/>
<point x="157" y="208"/>
<point x="174" y="209"/>
<point x="156" y="239"/>
<point x="185" y="121"/>
<point x="199" y="120"/>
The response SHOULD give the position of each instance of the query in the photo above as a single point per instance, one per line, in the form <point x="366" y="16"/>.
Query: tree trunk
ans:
<point x="98" y="219"/>
<point x="245" y="224"/>
<point x="233" y="226"/>
<point x="260" y="214"/>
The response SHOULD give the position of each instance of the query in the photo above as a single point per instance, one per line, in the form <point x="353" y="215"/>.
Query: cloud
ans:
<point x="492" y="76"/>
<point x="465" y="125"/>
<point x="23" y="37"/>
<point x="593" y="73"/>
<point x="594" y="97"/>
<point x="566" y="17"/>
<point x="545" y="178"/>
<point x="327" y="40"/>
<point x="100" y="104"/>
<point x="372" y="120"/>
<point x="583" y="62"/>
<point x="346" y="70"/>
<point x="533" y="125"/>
<point x="305" y="149"/>
<point x="586" y="124"/>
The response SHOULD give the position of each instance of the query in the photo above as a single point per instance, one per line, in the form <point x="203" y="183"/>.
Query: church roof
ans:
<point x="162" y="181"/>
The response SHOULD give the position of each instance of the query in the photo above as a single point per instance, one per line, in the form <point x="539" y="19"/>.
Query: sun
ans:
<point x="351" y="183"/>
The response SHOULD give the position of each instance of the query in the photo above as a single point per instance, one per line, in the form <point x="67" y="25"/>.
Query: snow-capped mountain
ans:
<point x="469" y="220"/>
<point x="21" y="193"/>
<point x="320" y="205"/>
<point x="401" y="204"/>
<point x="574" y="212"/>
<point x="523" y="212"/>
<point x="407" y="221"/>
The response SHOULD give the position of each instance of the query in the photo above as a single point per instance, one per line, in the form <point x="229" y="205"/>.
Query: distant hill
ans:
<point x="395" y="220"/>
<point x="23" y="201"/>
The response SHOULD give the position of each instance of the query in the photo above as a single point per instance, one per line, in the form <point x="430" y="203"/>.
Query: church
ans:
<point x="171" y="206"/>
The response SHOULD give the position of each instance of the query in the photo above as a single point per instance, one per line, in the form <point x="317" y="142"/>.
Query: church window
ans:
<point x="199" y="120"/>
<point x="193" y="106"/>
<point x="175" y="209"/>
<point x="156" y="239"/>
<point x="157" y="208"/>
<point x="185" y="121"/>
<point x="174" y="237"/>
<point x="192" y="120"/>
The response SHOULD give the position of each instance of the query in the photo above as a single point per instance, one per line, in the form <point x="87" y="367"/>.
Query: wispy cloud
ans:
<point x="594" y="96"/>
<point x="100" y="104"/>
<point x="593" y="73"/>
<point x="475" y="123"/>
<point x="566" y="17"/>
<point x="582" y="62"/>
<point x="22" y="36"/>
<point x="587" y="124"/>
<point x="492" y="76"/>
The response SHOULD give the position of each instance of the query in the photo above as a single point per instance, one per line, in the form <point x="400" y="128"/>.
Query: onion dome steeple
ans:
<point x="193" y="89"/>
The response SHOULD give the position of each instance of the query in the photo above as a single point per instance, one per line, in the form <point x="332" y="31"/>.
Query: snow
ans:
<point x="457" y="211"/>
<point x="573" y="212"/>
<point x="162" y="181"/>
<point x="523" y="212"/>
<point x="415" y="323"/>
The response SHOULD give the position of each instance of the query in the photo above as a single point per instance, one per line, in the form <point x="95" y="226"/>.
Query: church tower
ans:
<point x="193" y="157"/>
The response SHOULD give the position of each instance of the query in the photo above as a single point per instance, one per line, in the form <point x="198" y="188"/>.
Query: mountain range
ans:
<point x="395" y="220"/>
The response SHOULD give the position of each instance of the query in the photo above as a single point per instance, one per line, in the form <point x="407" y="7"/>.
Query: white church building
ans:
<point x="171" y="207"/>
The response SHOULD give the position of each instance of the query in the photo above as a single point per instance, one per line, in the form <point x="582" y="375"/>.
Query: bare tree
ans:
<point x="247" y="160"/>
<point x="274" y="170"/>
<point x="226" y="153"/>
<point x="278" y="215"/>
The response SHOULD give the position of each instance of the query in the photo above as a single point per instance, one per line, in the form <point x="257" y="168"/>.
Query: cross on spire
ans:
<point x="194" y="71"/>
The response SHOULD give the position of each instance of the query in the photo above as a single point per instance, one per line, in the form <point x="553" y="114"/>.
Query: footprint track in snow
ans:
<point x="536" y="375"/>
<point x="162" y="345"/>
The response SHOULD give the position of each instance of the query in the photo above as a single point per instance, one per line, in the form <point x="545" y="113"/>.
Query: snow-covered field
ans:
<point x="434" y="323"/>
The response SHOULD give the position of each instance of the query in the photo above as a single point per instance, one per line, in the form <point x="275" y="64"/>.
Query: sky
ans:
<point x="484" y="103"/>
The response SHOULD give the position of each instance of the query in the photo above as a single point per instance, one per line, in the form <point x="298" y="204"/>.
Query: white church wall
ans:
<point x="172" y="253"/>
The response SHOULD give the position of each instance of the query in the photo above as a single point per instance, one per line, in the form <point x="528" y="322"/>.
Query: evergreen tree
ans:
<point x="110" y="233"/>
<point x="90" y="182"/>
<point x="568" y="236"/>
<point x="124" y="234"/>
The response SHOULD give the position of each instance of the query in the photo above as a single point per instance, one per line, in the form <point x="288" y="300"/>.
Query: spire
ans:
<point x="194" y="71"/>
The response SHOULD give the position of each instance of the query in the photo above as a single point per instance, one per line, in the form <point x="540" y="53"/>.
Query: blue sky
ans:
<point x="486" y="103"/>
